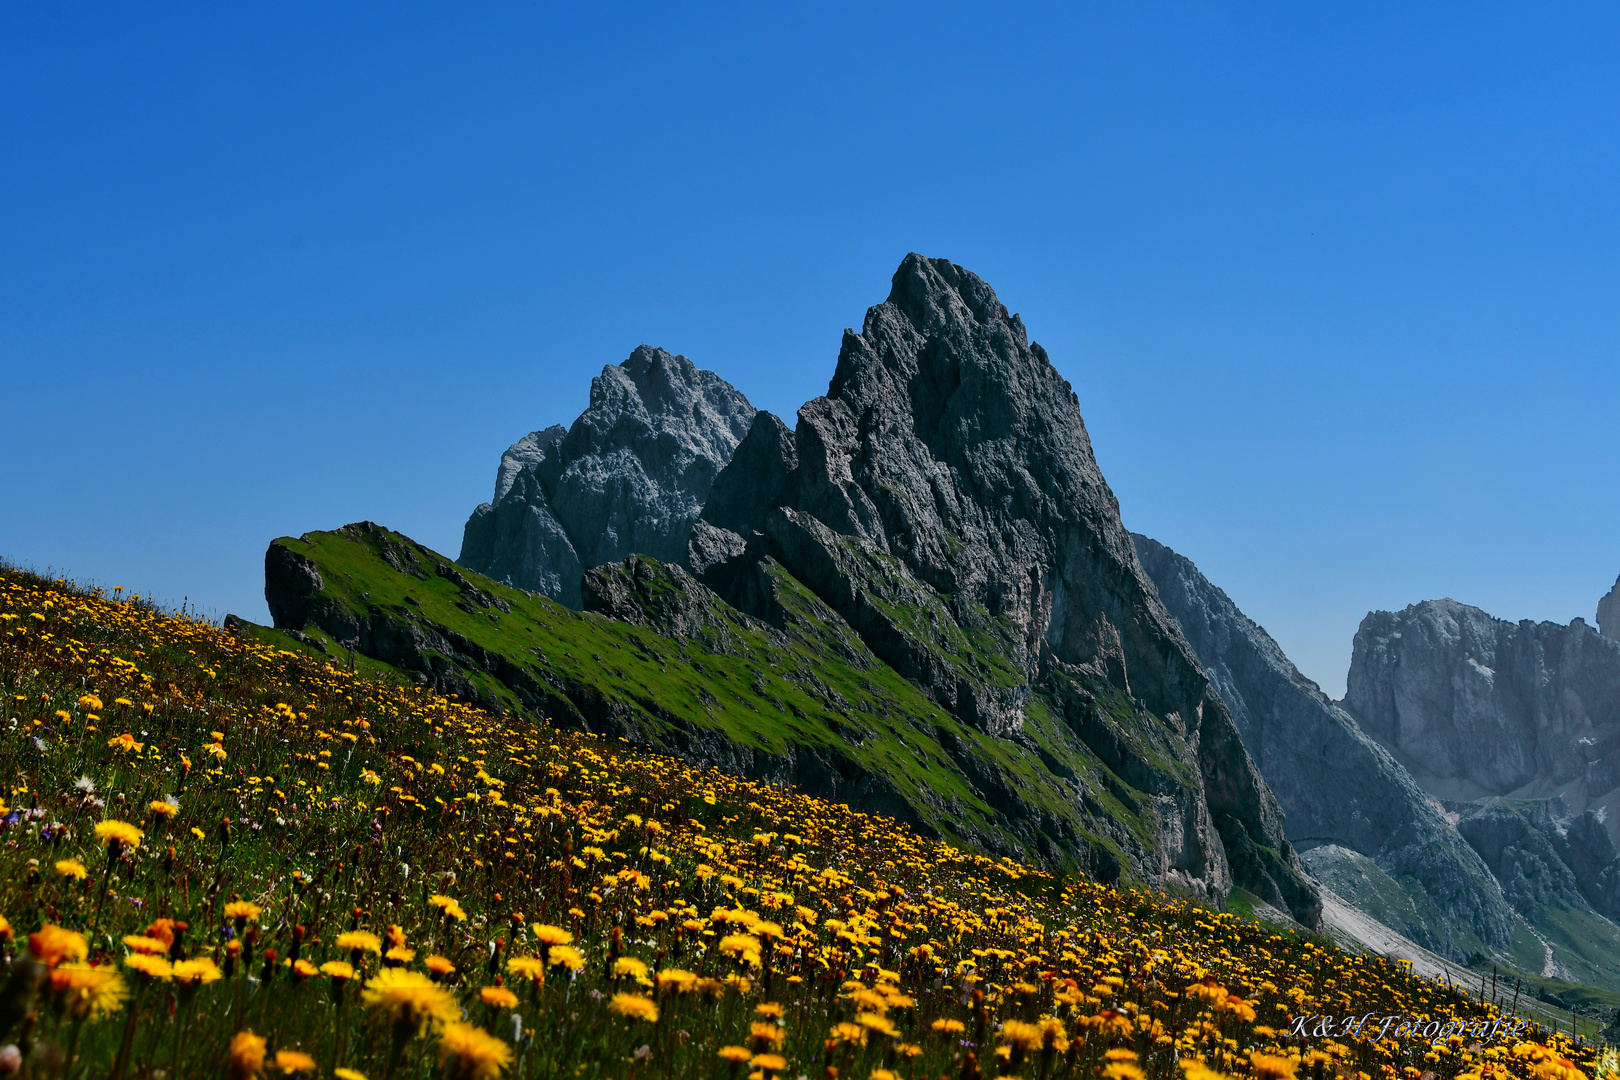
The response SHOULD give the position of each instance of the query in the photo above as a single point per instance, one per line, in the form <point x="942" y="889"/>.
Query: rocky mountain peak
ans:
<point x="628" y="477"/>
<point x="944" y="500"/>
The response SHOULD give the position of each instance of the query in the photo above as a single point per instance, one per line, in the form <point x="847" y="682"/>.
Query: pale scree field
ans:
<point x="223" y="859"/>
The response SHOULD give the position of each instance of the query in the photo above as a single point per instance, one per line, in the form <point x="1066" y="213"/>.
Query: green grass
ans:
<point x="813" y="688"/>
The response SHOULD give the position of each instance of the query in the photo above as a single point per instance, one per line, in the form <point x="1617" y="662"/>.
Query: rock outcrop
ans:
<point x="1543" y="854"/>
<point x="944" y="500"/>
<point x="1475" y="706"/>
<point x="1608" y="612"/>
<point x="1338" y="788"/>
<point x="629" y="477"/>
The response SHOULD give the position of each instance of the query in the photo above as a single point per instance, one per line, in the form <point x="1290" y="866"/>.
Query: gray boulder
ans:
<point x="944" y="500"/>
<point x="629" y="477"/>
<point x="1337" y="787"/>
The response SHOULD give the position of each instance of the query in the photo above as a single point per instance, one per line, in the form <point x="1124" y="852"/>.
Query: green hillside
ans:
<point x="806" y="703"/>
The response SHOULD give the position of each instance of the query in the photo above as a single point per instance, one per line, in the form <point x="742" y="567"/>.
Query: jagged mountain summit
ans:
<point x="1362" y="824"/>
<point x="944" y="500"/>
<point x="628" y="477"/>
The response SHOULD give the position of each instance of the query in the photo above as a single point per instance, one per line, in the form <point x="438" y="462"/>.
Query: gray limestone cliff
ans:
<point x="630" y="476"/>
<point x="1476" y="706"/>
<point x="1338" y="788"/>
<point x="944" y="500"/>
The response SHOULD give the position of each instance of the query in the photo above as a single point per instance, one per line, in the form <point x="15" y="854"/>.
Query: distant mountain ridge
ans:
<point x="1476" y="706"/>
<point x="1341" y="790"/>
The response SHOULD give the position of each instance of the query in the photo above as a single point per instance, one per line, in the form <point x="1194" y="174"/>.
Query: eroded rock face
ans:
<point x="1336" y="786"/>
<point x="1476" y="706"/>
<point x="629" y="477"/>
<point x="944" y="500"/>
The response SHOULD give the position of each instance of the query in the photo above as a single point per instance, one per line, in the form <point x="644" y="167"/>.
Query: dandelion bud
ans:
<point x="269" y="971"/>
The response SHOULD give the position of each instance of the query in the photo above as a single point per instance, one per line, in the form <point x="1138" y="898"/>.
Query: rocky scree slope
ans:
<point x="944" y="500"/>
<point x="629" y="476"/>
<point x="1341" y="792"/>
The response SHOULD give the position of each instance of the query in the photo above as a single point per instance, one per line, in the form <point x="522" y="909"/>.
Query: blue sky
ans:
<point x="1336" y="283"/>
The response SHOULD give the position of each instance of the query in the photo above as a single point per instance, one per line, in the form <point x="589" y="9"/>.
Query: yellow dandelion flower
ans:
<point x="527" y="967"/>
<point x="294" y="1061"/>
<point x="1271" y="1067"/>
<point x="338" y="969"/>
<point x="467" y="1052"/>
<point x="163" y="808"/>
<point x="737" y="1054"/>
<point x="674" y="980"/>
<point x="360" y="941"/>
<point x="551" y="935"/>
<point x="246" y="1058"/>
<point x="52" y="945"/>
<point x="634" y="1006"/>
<point x="89" y="991"/>
<point x="448" y="906"/>
<point x="498" y="996"/>
<point x="153" y="967"/>
<point x="440" y="965"/>
<point x="566" y="956"/>
<point x="198" y="972"/>
<point x="241" y="909"/>
<point x="72" y="868"/>
<point x="770" y="1063"/>
<point x="629" y="965"/>
<point x="410" y="998"/>
<point x="118" y="832"/>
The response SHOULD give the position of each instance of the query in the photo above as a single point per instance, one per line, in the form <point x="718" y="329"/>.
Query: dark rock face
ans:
<point x="1475" y="706"/>
<point x="630" y="476"/>
<point x="1336" y="785"/>
<point x="944" y="500"/>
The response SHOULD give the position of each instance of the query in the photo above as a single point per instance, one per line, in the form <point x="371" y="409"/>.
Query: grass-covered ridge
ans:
<point x="807" y="702"/>
<point x="227" y="859"/>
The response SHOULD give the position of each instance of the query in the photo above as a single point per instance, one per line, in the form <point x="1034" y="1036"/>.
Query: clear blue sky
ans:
<point x="1337" y="284"/>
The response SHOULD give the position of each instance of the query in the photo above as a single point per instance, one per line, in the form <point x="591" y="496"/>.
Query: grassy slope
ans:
<point x="351" y="802"/>
<point x="754" y="690"/>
